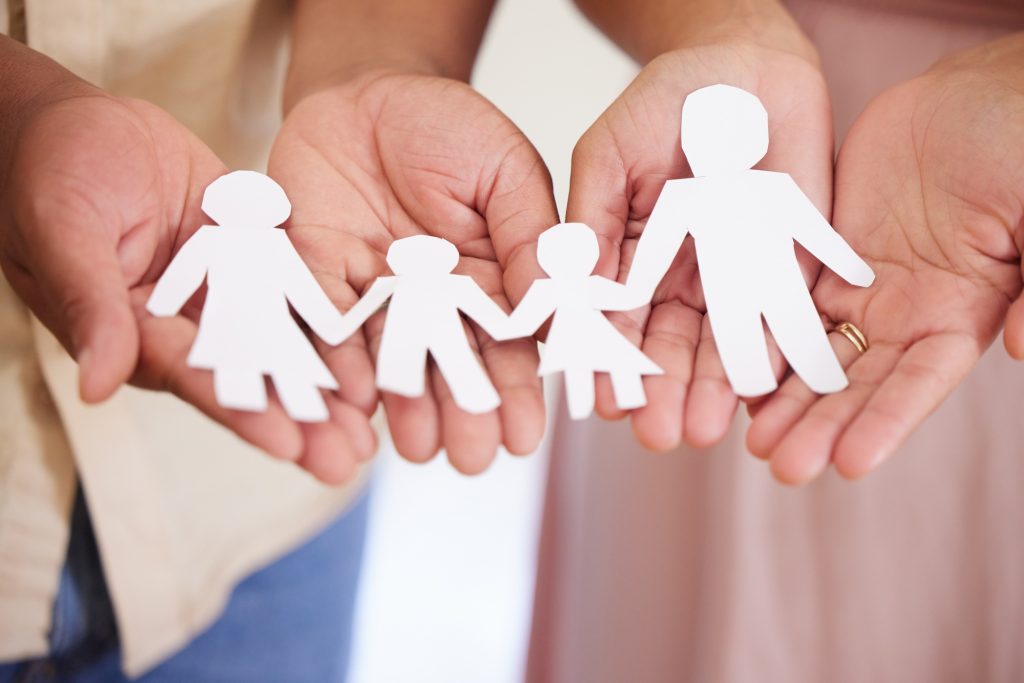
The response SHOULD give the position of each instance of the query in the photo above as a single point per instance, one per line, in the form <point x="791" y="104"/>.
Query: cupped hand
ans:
<point x="100" y="194"/>
<point x="619" y="168"/>
<point x="930" y="191"/>
<point x="389" y="155"/>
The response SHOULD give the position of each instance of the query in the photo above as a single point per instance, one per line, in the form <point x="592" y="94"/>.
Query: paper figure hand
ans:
<point x="619" y="169"/>
<point x="390" y="155"/>
<point x="102" y="192"/>
<point x="929" y="189"/>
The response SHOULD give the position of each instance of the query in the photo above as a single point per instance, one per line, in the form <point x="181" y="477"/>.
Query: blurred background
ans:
<point x="449" y="566"/>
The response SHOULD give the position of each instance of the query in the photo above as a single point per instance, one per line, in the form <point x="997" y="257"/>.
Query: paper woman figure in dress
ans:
<point x="581" y="340"/>
<point x="253" y="273"/>
<point x="423" y="318"/>
<point x="744" y="223"/>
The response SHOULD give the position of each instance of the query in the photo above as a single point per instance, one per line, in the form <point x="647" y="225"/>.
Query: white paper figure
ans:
<point x="744" y="223"/>
<point x="253" y="273"/>
<point x="581" y="340"/>
<point x="423" y="317"/>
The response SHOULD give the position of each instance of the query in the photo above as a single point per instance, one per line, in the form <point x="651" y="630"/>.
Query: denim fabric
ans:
<point x="290" y="621"/>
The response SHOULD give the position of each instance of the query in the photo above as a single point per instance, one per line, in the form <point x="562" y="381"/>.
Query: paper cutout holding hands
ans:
<point x="423" y="317"/>
<point x="744" y="223"/>
<point x="581" y="340"/>
<point x="253" y="273"/>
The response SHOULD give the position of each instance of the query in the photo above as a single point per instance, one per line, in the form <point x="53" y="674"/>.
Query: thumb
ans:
<point x="80" y="280"/>
<point x="521" y="207"/>
<point x="1013" y="332"/>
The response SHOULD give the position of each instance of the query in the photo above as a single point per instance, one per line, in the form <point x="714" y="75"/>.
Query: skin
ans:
<point x="385" y="140"/>
<point x="930" y="189"/>
<point x="623" y="160"/>
<point x="96" y="194"/>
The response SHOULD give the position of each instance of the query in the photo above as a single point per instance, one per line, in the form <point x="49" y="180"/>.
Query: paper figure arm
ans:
<point x="370" y="303"/>
<point x="184" y="274"/>
<point x="305" y="294"/>
<point x="536" y="307"/>
<point x="812" y="231"/>
<point x="480" y="308"/>
<point x="608" y="295"/>
<point x="660" y="242"/>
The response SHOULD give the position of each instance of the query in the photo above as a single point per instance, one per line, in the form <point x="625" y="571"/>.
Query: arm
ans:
<point x="648" y="28"/>
<point x="335" y="40"/>
<point x="376" y="295"/>
<point x="813" y="232"/>
<point x="183" y="276"/>
<point x="305" y="294"/>
<point x="659" y="244"/>
<point x="481" y="308"/>
<point x="532" y="311"/>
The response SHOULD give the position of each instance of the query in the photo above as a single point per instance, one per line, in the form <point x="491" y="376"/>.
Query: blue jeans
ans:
<point x="290" y="621"/>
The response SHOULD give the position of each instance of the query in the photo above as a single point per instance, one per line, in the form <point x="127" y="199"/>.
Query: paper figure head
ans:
<point x="246" y="199"/>
<point x="568" y="250"/>
<point x="724" y="130"/>
<point x="422" y="255"/>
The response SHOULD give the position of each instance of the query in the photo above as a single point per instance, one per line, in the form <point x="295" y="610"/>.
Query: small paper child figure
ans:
<point x="744" y="223"/>
<point x="581" y="340"/>
<point x="423" y="317"/>
<point x="253" y="273"/>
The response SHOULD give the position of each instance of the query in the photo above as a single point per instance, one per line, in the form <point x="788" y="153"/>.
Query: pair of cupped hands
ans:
<point x="103" y="191"/>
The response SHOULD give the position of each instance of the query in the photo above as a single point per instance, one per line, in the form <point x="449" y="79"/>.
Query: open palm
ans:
<point x="391" y="155"/>
<point x="929" y="189"/>
<point x="102" y="193"/>
<point x="619" y="168"/>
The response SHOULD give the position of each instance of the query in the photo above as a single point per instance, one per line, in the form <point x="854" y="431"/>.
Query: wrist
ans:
<point x="651" y="28"/>
<point x="308" y="78"/>
<point x="336" y="42"/>
<point x="29" y="82"/>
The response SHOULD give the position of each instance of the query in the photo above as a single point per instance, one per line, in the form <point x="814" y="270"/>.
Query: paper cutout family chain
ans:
<point x="744" y="223"/>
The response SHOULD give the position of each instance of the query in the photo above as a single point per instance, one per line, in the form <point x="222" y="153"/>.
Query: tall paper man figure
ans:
<point x="581" y="341"/>
<point x="744" y="223"/>
<point x="423" y="317"/>
<point x="253" y="273"/>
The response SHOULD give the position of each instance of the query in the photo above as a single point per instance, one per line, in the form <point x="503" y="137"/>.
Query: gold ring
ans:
<point x="853" y="333"/>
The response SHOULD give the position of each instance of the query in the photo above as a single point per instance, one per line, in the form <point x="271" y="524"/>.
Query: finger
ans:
<point x="75" y="264"/>
<point x="631" y="325"/>
<point x="164" y="348"/>
<point x="599" y="194"/>
<point x="806" y="449"/>
<point x="340" y="263"/>
<point x="673" y="333"/>
<point x="922" y="379"/>
<point x="513" y="369"/>
<point x="471" y="441"/>
<point x="711" y="403"/>
<point x="779" y="411"/>
<point x="334" y="448"/>
<point x="414" y="422"/>
<point x="520" y="205"/>
<point x="605" y="403"/>
<point x="1013" y="333"/>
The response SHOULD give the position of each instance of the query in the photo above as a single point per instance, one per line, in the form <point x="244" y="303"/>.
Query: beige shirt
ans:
<point x="182" y="509"/>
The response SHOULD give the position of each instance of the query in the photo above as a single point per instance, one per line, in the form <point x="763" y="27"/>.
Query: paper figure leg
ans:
<point x="629" y="390"/>
<point x="240" y="389"/>
<point x="743" y="348"/>
<point x="402" y="367"/>
<point x="579" y="392"/>
<point x="471" y="388"/>
<point x="804" y="342"/>
<point x="301" y="399"/>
